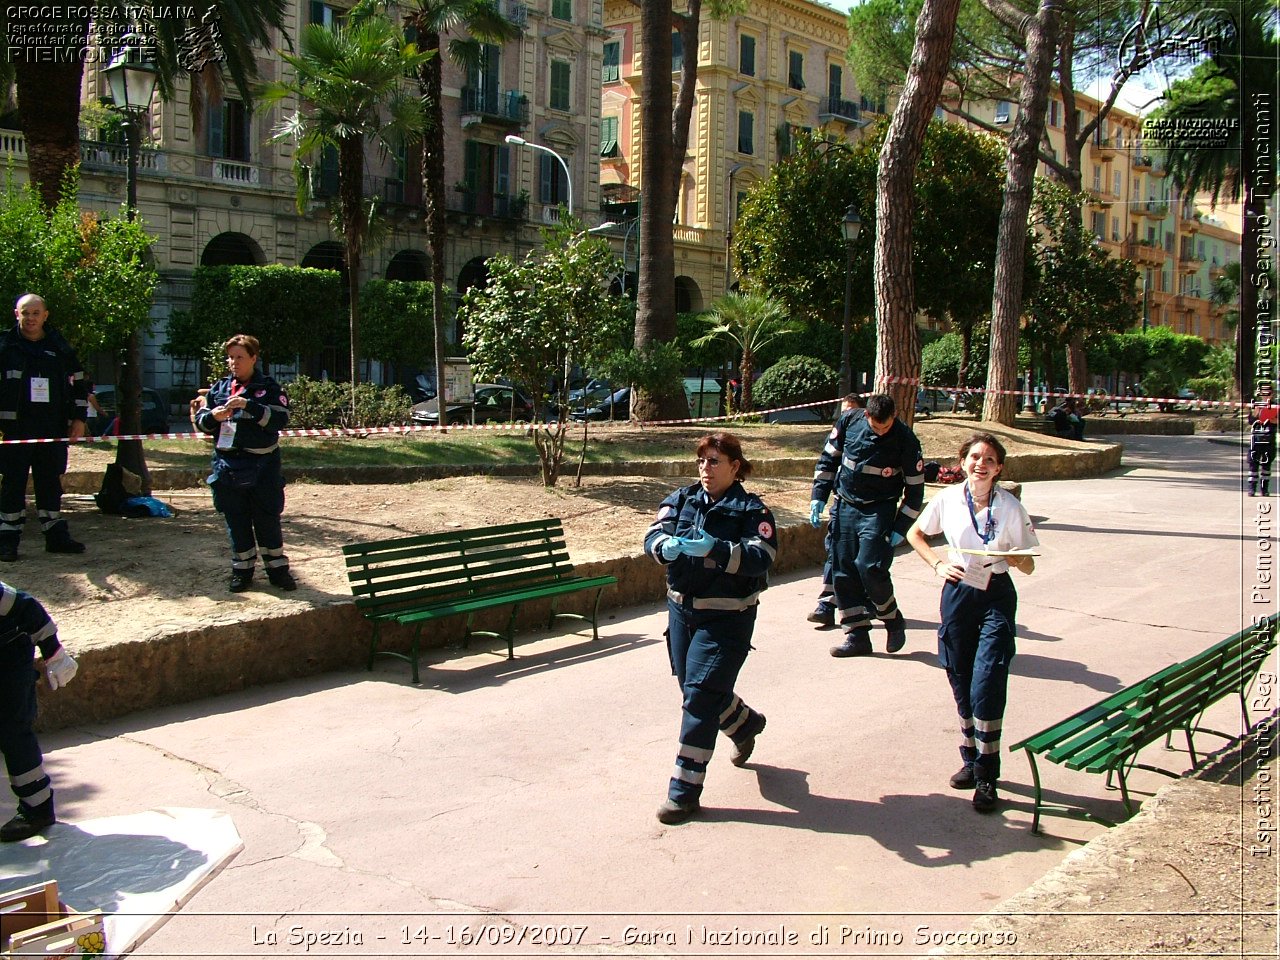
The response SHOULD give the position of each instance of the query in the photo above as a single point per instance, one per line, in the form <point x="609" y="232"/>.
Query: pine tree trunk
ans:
<point x="898" y="344"/>
<point x="1011" y="247"/>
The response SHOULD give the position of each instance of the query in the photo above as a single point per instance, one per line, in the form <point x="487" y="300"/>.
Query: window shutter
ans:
<point x="612" y="57"/>
<point x="835" y="82"/>
<point x="317" y="12"/>
<point x="677" y="52"/>
<point x="502" y="180"/>
<point x="747" y="55"/>
<point x="217" y="114"/>
<point x="471" y="166"/>
<point x="546" y="187"/>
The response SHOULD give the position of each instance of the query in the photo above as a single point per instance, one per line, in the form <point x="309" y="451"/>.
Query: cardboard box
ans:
<point x="33" y="923"/>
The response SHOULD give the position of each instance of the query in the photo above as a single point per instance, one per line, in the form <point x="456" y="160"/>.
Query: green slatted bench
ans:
<point x="415" y="580"/>
<point x="1106" y="737"/>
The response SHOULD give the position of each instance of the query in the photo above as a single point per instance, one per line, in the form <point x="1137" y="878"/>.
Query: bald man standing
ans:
<point x="43" y="395"/>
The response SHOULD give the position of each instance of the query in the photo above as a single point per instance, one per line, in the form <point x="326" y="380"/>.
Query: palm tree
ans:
<point x="752" y="321"/>
<point x="348" y="80"/>
<point x="1223" y="89"/>
<point x="48" y="80"/>
<point x="471" y="24"/>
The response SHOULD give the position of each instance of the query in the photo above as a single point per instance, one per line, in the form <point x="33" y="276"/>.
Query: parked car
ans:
<point x="155" y="415"/>
<point x="932" y="401"/>
<point x="494" y="402"/>
<point x="616" y="406"/>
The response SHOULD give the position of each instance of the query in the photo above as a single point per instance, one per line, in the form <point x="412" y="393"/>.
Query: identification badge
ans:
<point x="39" y="389"/>
<point x="976" y="574"/>
<point x="226" y="435"/>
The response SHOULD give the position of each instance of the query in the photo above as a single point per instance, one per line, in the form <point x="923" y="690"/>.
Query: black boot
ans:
<point x="28" y="822"/>
<point x="57" y="539"/>
<point x="282" y="579"/>
<point x="8" y="547"/>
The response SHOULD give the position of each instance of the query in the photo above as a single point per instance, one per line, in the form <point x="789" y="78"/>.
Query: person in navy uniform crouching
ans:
<point x="245" y="413"/>
<point x="718" y="542"/>
<point x="24" y="626"/>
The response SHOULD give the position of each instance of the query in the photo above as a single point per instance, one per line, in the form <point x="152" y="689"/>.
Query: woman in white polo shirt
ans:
<point x="979" y="603"/>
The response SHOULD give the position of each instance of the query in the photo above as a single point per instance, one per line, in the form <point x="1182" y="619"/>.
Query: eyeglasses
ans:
<point x="709" y="461"/>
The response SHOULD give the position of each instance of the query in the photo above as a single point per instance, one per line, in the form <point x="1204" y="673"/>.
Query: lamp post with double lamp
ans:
<point x="132" y="81"/>
<point x="568" y="179"/>
<point x="852" y="226"/>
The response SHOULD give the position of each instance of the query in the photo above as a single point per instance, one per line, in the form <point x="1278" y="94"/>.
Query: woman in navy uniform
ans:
<point x="245" y="413"/>
<point x="979" y="603"/>
<point x="718" y="542"/>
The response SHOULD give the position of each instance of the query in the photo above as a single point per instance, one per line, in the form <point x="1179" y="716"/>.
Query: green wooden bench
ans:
<point x="415" y="580"/>
<point x="1106" y="737"/>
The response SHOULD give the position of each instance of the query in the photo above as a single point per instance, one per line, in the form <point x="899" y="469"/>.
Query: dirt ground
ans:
<point x="142" y="578"/>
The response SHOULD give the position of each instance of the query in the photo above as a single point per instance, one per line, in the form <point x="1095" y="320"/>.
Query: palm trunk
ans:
<point x="430" y="81"/>
<point x="351" y="191"/>
<point x="1011" y="245"/>
<point x="898" y="343"/>
<point x="49" y="93"/>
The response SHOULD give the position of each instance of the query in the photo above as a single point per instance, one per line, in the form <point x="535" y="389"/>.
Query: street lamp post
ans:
<point x="132" y="81"/>
<point x="626" y="238"/>
<point x="568" y="178"/>
<point x="852" y="226"/>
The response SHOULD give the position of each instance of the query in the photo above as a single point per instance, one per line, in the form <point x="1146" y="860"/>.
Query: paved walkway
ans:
<point x="516" y="797"/>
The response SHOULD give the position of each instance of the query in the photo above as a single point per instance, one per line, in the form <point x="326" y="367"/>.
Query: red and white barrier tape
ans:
<point x="406" y="429"/>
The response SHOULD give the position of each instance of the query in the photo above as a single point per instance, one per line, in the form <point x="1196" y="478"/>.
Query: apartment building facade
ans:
<point x="214" y="189"/>
<point x="1179" y="244"/>
<point x="777" y="68"/>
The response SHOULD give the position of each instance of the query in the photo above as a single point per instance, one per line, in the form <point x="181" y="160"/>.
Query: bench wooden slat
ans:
<point x="1107" y="736"/>
<point x="413" y="580"/>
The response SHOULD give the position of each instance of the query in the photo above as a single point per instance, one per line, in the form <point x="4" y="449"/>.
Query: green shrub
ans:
<point x="317" y="404"/>
<point x="940" y="362"/>
<point x="1210" y="388"/>
<point x="794" y="380"/>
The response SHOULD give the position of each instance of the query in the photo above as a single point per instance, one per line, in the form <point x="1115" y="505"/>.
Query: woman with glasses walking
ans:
<point x="717" y="542"/>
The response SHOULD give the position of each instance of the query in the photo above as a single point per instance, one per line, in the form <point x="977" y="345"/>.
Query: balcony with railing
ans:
<point x="1155" y="209"/>
<point x="837" y="108"/>
<point x="102" y="155"/>
<point x="1189" y="261"/>
<point x="486" y="203"/>
<point x="392" y="191"/>
<point x="1144" y="251"/>
<point x="517" y="13"/>
<point x="508" y="108"/>
<point x="1141" y="163"/>
<point x="871" y="105"/>
<point x="1104" y="148"/>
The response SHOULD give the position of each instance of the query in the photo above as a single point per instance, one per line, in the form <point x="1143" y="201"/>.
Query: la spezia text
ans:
<point x="500" y="933"/>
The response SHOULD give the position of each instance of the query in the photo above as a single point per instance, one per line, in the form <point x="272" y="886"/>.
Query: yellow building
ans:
<point x="777" y="68"/>
<point x="1179" y="246"/>
<point x="214" y="190"/>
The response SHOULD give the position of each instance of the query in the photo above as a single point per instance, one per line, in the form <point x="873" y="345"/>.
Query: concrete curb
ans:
<point x="1084" y="460"/>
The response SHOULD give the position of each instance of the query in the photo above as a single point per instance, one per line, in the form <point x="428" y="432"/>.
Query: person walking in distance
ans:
<point x="872" y="463"/>
<point x="717" y="542"/>
<point x="24" y="627"/>
<point x="979" y="603"/>
<point x="43" y="396"/>
<point x="245" y="413"/>
<point x="824" y="614"/>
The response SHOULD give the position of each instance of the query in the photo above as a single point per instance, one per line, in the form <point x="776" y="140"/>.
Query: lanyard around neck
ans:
<point x="989" y="528"/>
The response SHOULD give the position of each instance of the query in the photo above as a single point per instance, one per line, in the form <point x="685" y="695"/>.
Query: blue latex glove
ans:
<point x="815" y="512"/>
<point x="896" y="538"/>
<point x="671" y="548"/>
<point x="700" y="545"/>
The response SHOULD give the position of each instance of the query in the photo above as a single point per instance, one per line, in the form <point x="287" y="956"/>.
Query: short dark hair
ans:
<point x="853" y="400"/>
<point x="880" y="407"/>
<point x="989" y="440"/>
<point x="730" y="446"/>
<point x="250" y="344"/>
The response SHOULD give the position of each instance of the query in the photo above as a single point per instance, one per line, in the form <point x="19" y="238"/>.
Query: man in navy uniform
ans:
<point x="824" y="614"/>
<point x="873" y="464"/>
<point x="43" y="395"/>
